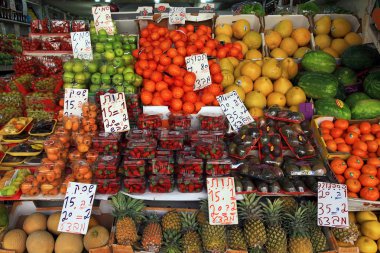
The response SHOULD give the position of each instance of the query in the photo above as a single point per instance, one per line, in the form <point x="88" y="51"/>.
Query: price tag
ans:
<point x="12" y="5"/>
<point x="198" y="64"/>
<point x="332" y="205"/>
<point x="177" y="15"/>
<point x="103" y="19"/>
<point x="77" y="206"/>
<point x="222" y="201"/>
<point x="114" y="112"/>
<point x="234" y="109"/>
<point x="81" y="44"/>
<point x="74" y="99"/>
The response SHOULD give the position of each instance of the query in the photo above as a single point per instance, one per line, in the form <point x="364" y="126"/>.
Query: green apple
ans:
<point x="117" y="45"/>
<point x="117" y="62"/>
<point x="92" y="31"/>
<point x="129" y="77"/>
<point x="106" y="79"/>
<point x="92" y="67"/>
<point x="129" y="89"/>
<point x="106" y="87"/>
<point x="108" y="46"/>
<point x="92" y="23"/>
<point x="102" y="38"/>
<point x="78" y="67"/>
<point x="117" y="79"/>
<point x="103" y="69"/>
<point x="109" y="55"/>
<point x="94" y="38"/>
<point x="96" y="78"/>
<point x="67" y="85"/>
<point x="80" y="78"/>
<point x="102" y="32"/>
<point x="68" y="66"/>
<point x="128" y="69"/>
<point x="99" y="47"/>
<point x="119" y="52"/>
<point x="138" y="81"/>
<point x="127" y="47"/>
<point x="118" y="37"/>
<point x="128" y="58"/>
<point x="97" y="57"/>
<point x="119" y="88"/>
<point x="87" y="76"/>
<point x="133" y="46"/>
<point x="68" y="77"/>
<point x="111" y="38"/>
<point x="132" y="39"/>
<point x="94" y="88"/>
<point x="120" y="70"/>
<point x="79" y="86"/>
<point x="111" y="70"/>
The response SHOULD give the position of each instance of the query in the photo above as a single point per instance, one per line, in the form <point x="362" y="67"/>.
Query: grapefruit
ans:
<point x="282" y="85"/>
<point x="256" y="112"/>
<point x="252" y="39"/>
<point x="323" y="41"/>
<point x="224" y="29"/>
<point x="238" y="90"/>
<point x="323" y="25"/>
<point x="272" y="39"/>
<point x="284" y="28"/>
<point x="251" y="69"/>
<point x="253" y="54"/>
<point x="295" y="96"/>
<point x="276" y="98"/>
<point x="263" y="85"/>
<point x="245" y="83"/>
<point x="240" y="28"/>
<point x="301" y="36"/>
<point x="255" y="99"/>
<point x="340" y="27"/>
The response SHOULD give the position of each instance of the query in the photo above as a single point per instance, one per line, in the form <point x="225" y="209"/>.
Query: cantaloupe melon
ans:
<point x="15" y="239"/>
<point x="52" y="223"/>
<point x="68" y="243"/>
<point x="40" y="242"/>
<point x="34" y="222"/>
<point x="96" y="237"/>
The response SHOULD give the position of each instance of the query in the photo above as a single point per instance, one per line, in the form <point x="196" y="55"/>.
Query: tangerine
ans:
<point x="166" y="95"/>
<point x="161" y="85"/>
<point x="156" y="76"/>
<point x="149" y="85"/>
<point x="189" y="78"/>
<point x="207" y="98"/>
<point x="188" y="107"/>
<point x="157" y="101"/>
<point x="174" y="70"/>
<point x="191" y="97"/>
<point x="177" y="92"/>
<point x="146" y="97"/>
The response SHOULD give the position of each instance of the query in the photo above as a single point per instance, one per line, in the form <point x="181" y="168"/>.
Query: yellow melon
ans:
<point x="15" y="239"/>
<point x="322" y="41"/>
<point x="272" y="69"/>
<point x="340" y="27"/>
<point x="272" y="39"/>
<point x="282" y="85"/>
<point x="40" y="242"/>
<point x="68" y="243"/>
<point x="252" y="39"/>
<point x="284" y="28"/>
<point x="34" y="222"/>
<point x="353" y="38"/>
<point x="223" y="38"/>
<point x="251" y="69"/>
<point x="276" y="98"/>
<point x="339" y="45"/>
<point x="225" y="29"/>
<point x="301" y="36"/>
<point x="225" y="64"/>
<point x="52" y="223"/>
<point x="255" y="99"/>
<point x="263" y="85"/>
<point x="96" y="237"/>
<point x="278" y="53"/>
<point x="245" y="83"/>
<point x="322" y="25"/>
<point x="234" y="61"/>
<point x="289" y="45"/>
<point x="295" y="96"/>
<point x="253" y="54"/>
<point x="228" y="78"/>
<point x="240" y="28"/>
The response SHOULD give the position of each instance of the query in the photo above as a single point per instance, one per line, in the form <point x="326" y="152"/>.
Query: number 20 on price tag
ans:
<point x="332" y="205"/>
<point x="114" y="112"/>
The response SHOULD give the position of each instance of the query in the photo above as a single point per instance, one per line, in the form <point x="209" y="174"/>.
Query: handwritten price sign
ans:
<point x="74" y="99"/>
<point x="332" y="205"/>
<point x="222" y="201"/>
<point x="103" y="19"/>
<point x="81" y="45"/>
<point x="234" y="109"/>
<point x="198" y="64"/>
<point x="177" y="15"/>
<point x="77" y="206"/>
<point x="114" y="112"/>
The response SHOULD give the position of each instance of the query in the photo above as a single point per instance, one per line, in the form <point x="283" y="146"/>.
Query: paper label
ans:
<point x="81" y="44"/>
<point x="177" y="15"/>
<point x="198" y="64"/>
<point x="74" y="99"/>
<point x="114" y="112"/>
<point x="222" y="201"/>
<point x="234" y="109"/>
<point x="332" y="205"/>
<point x="77" y="206"/>
<point x="103" y="19"/>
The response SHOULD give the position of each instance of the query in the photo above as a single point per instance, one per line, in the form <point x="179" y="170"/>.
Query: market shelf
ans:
<point x="13" y="21"/>
<point x="5" y="68"/>
<point x="47" y="53"/>
<point x="48" y="35"/>
<point x="59" y="197"/>
<point x="363" y="205"/>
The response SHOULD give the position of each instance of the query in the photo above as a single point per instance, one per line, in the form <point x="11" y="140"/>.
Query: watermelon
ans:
<point x="319" y="85"/>
<point x="340" y="93"/>
<point x="372" y="85"/>
<point x="346" y="76"/>
<point x="332" y="107"/>
<point x="355" y="97"/>
<point x="366" y="109"/>
<point x="318" y="61"/>
<point x="359" y="57"/>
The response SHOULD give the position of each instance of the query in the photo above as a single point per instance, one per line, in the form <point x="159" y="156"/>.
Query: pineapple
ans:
<point x="213" y="236"/>
<point x="276" y="242"/>
<point x="297" y="226"/>
<point x="171" y="221"/>
<point x="250" y="212"/>
<point x="235" y="238"/>
<point x="289" y="204"/>
<point x="152" y="235"/>
<point x="128" y="211"/>
<point x="171" y="242"/>
<point x="347" y="235"/>
<point x="317" y="237"/>
<point x="191" y="240"/>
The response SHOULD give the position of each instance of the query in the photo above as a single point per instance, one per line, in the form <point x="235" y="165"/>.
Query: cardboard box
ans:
<point x="127" y="22"/>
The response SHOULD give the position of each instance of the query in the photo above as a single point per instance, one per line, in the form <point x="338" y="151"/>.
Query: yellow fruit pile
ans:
<point x="335" y="36"/>
<point x="284" y="41"/>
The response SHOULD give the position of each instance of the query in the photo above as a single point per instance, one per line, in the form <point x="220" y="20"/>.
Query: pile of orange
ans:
<point x="161" y="63"/>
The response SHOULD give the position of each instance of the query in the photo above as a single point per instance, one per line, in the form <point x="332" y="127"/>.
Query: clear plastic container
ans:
<point x="179" y="121"/>
<point x="53" y="149"/>
<point x="75" y="155"/>
<point x="172" y="140"/>
<point x="190" y="183"/>
<point x="161" y="166"/>
<point x="189" y="165"/>
<point x="195" y="136"/>
<point x="141" y="149"/>
<point x="161" y="183"/>
<point x="83" y="141"/>
<point x="91" y="156"/>
<point x="106" y="166"/>
<point x="208" y="149"/>
<point x="107" y="186"/>
<point x="220" y="167"/>
<point x="212" y="122"/>
<point x="146" y="121"/>
<point x="106" y="142"/>
<point x="133" y="168"/>
<point x="135" y="185"/>
<point x="136" y="134"/>
<point x="51" y="188"/>
<point x="82" y="171"/>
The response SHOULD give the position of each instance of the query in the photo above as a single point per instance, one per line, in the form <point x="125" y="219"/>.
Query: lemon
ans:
<point x="252" y="39"/>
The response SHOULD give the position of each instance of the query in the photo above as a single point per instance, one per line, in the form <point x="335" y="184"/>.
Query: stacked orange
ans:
<point x="161" y="63"/>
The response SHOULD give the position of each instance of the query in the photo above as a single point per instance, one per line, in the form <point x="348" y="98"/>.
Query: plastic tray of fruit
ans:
<point x="212" y="122"/>
<point x="43" y="127"/>
<point x="172" y="140"/>
<point x="106" y="166"/>
<point x="25" y="149"/>
<point x="82" y="171"/>
<point x="309" y="167"/>
<point x="16" y="126"/>
<point x="208" y="149"/>
<point x="141" y="149"/>
<point x="18" y="138"/>
<point x="47" y="174"/>
<point x="161" y="183"/>
<point x="53" y="149"/>
<point x="136" y="134"/>
<point x="9" y="160"/>
<point x="218" y="167"/>
<point x="106" y="142"/>
<point x="189" y="165"/>
<point x="132" y="101"/>
<point x="161" y="166"/>
<point x="133" y="168"/>
<point x="179" y="121"/>
<point x="297" y="142"/>
<point x="270" y="149"/>
<point x="135" y="185"/>
<point x="146" y="121"/>
<point x="10" y="183"/>
<point x="193" y="183"/>
<point x="107" y="186"/>
<point x="265" y="172"/>
<point x="196" y="135"/>
<point x="286" y="115"/>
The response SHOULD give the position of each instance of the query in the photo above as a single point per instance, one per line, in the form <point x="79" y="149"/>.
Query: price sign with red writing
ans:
<point x="77" y="206"/>
<point x="81" y="45"/>
<point x="222" y="201"/>
<point x="74" y="99"/>
<point x="103" y="19"/>
<point x="114" y="112"/>
<point x="198" y="64"/>
<point x="332" y="205"/>
<point x="177" y="15"/>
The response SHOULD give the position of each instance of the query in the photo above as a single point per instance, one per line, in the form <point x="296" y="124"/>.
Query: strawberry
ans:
<point x="141" y="149"/>
<point x="161" y="166"/>
<point x="108" y="186"/>
<point x="189" y="165"/>
<point x="212" y="122"/>
<point x="192" y="183"/>
<point x="207" y="149"/>
<point x="133" y="168"/>
<point x="161" y="183"/>
<point x="135" y="185"/>
<point x="179" y="121"/>
<point x="105" y="167"/>
<point x="171" y="140"/>
<point x="149" y="121"/>
<point x="218" y="167"/>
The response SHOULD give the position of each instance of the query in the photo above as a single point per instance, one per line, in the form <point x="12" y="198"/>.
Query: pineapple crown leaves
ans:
<point x="297" y="224"/>
<point x="312" y="211"/>
<point x="273" y="212"/>
<point x="171" y="241"/>
<point x="125" y="206"/>
<point x="249" y="207"/>
<point x="152" y="218"/>
<point x="189" y="222"/>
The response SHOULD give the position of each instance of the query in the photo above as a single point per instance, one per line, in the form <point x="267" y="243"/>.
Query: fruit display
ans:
<point x="10" y="183"/>
<point x="15" y="126"/>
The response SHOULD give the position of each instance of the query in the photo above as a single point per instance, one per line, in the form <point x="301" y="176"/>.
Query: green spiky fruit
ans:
<point x="317" y="237"/>
<point x="191" y="240"/>
<point x="297" y="225"/>
<point x="171" y="242"/>
<point x="235" y="238"/>
<point x="171" y="221"/>
<point x="347" y="235"/>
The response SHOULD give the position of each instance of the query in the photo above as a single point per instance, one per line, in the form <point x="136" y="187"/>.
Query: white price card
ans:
<point x="222" y="201"/>
<point x="103" y="19"/>
<point x="81" y="43"/>
<point x="77" y="206"/>
<point x="234" y="109"/>
<point x="332" y="205"/>
<point x="177" y="15"/>
<point x="198" y="64"/>
<point x="114" y="112"/>
<point x="73" y="101"/>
